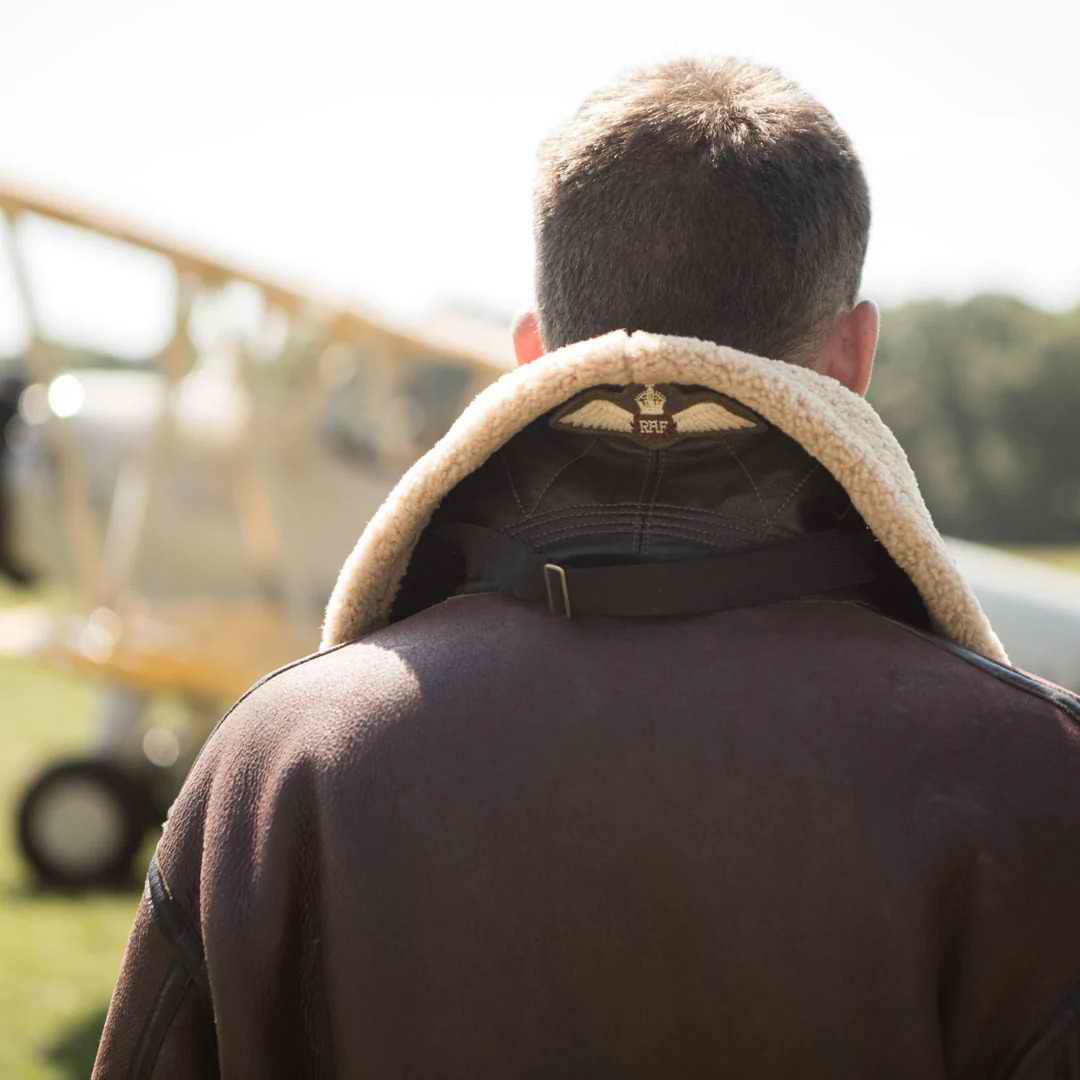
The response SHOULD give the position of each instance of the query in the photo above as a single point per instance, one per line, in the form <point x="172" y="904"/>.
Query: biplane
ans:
<point x="197" y="502"/>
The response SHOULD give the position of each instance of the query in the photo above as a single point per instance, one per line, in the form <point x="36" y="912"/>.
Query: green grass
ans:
<point x="59" y="954"/>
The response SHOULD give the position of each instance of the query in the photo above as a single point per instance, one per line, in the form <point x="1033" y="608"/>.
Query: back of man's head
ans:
<point x="709" y="199"/>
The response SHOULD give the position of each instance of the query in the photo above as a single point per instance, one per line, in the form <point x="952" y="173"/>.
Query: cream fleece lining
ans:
<point x="835" y="426"/>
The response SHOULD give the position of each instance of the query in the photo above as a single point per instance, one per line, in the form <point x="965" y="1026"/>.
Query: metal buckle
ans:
<point x="555" y="580"/>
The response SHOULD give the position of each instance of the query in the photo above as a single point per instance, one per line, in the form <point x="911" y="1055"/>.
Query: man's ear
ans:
<point x="848" y="352"/>
<point x="527" y="342"/>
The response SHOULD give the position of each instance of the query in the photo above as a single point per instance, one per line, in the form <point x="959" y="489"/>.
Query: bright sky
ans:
<point x="389" y="156"/>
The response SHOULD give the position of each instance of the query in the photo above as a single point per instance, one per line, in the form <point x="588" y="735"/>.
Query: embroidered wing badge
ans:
<point x="655" y="415"/>
<point x="600" y="415"/>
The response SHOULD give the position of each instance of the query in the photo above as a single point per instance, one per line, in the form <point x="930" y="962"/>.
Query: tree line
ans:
<point x="984" y="396"/>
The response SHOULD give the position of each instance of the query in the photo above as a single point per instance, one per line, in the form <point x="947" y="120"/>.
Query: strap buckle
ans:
<point x="558" y="593"/>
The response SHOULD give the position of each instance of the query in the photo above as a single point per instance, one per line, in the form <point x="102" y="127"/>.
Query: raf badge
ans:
<point x="655" y="415"/>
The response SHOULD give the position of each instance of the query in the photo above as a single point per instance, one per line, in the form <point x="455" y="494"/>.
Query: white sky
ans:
<point x="388" y="156"/>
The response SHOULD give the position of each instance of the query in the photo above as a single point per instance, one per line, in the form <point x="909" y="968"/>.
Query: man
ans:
<point x="655" y="733"/>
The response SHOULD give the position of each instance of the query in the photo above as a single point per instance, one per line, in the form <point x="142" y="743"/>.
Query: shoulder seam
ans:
<point x="170" y="997"/>
<point x="262" y="682"/>
<point x="1059" y="697"/>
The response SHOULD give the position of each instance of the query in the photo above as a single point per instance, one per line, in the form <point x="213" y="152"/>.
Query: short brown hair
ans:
<point x="709" y="199"/>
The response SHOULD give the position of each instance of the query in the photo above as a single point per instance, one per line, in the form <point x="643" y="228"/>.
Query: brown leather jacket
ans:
<point x="815" y="838"/>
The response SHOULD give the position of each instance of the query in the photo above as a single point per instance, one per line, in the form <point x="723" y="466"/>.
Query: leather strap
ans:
<point x="816" y="563"/>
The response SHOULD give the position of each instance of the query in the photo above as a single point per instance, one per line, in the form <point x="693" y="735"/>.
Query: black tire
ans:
<point x="107" y="816"/>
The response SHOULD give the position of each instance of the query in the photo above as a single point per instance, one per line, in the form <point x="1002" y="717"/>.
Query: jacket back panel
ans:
<point x="792" y="840"/>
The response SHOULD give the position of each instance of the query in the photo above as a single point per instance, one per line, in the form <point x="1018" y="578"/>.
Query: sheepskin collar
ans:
<point x="838" y="428"/>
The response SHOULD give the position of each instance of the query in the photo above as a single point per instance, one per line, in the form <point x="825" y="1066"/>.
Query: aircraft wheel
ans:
<point x="81" y="823"/>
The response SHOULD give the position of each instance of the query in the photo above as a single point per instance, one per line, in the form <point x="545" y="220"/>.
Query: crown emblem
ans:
<point x="650" y="401"/>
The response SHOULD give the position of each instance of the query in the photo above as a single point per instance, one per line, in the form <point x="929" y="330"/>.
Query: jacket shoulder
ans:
<point x="1014" y="900"/>
<point x="1033" y="686"/>
<point x="297" y="730"/>
<point x="353" y="683"/>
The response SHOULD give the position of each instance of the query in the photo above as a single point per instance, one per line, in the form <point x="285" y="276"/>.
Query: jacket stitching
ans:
<point x="170" y="996"/>
<point x="682" y="532"/>
<point x="737" y="524"/>
<point x="724" y="442"/>
<point x="670" y="528"/>
<point x="601" y="527"/>
<point x="791" y="495"/>
<point x="661" y="460"/>
<point x="681" y="529"/>
<point x="558" y="472"/>
<point x="640" y="516"/>
<point x="627" y="518"/>
<point x="662" y="530"/>
<point x="510" y="478"/>
<point x="628" y="523"/>
<point x="629" y="508"/>
<point x="634" y="506"/>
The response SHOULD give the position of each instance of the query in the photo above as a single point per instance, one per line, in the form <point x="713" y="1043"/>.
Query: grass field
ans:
<point x="59" y="955"/>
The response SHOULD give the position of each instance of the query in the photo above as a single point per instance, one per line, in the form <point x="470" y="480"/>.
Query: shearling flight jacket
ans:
<point x="835" y="836"/>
